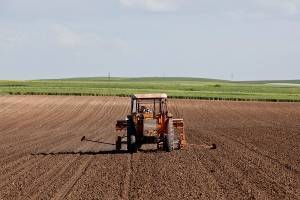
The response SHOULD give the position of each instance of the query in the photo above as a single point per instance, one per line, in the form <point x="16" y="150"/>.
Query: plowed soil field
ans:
<point x="42" y="157"/>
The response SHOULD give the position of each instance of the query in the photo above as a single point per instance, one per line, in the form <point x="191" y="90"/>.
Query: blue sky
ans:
<point x="243" y="40"/>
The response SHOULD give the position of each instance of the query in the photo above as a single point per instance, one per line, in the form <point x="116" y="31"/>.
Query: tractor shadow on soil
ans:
<point x="80" y="152"/>
<point x="95" y="152"/>
<point x="99" y="152"/>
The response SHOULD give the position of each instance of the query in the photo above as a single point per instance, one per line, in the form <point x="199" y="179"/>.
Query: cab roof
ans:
<point x="150" y="96"/>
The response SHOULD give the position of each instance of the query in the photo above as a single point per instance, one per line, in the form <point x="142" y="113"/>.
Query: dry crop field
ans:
<point x="42" y="157"/>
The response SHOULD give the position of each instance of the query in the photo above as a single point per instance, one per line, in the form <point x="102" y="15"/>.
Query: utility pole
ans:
<point x="109" y="84"/>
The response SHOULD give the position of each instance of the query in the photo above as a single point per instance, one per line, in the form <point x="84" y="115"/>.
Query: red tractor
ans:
<point x="150" y="122"/>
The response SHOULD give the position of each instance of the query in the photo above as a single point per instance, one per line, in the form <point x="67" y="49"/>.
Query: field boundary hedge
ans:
<point x="169" y="96"/>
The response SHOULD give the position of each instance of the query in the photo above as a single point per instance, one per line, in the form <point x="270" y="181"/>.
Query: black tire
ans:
<point x="169" y="140"/>
<point x="119" y="143"/>
<point x="169" y="137"/>
<point x="132" y="147"/>
<point x="131" y="140"/>
<point x="213" y="146"/>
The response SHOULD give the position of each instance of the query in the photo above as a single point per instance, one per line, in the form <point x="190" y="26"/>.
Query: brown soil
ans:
<point x="42" y="157"/>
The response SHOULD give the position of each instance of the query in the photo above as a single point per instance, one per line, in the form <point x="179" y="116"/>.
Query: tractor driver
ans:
<point x="145" y="110"/>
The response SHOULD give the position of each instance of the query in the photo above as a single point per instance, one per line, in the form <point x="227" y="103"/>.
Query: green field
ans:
<point x="175" y="87"/>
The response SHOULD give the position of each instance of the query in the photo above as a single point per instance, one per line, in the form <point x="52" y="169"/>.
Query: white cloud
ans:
<point x="10" y="38"/>
<point x="83" y="41"/>
<point x="153" y="5"/>
<point x="69" y="38"/>
<point x="287" y="7"/>
<point x="263" y="9"/>
<point x="253" y="9"/>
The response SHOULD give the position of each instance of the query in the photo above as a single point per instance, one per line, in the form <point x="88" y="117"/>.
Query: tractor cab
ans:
<point x="150" y="106"/>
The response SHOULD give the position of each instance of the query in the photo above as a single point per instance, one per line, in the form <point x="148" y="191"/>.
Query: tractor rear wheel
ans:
<point x="169" y="137"/>
<point x="131" y="139"/>
<point x="132" y="146"/>
<point x="169" y="141"/>
<point x="119" y="143"/>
